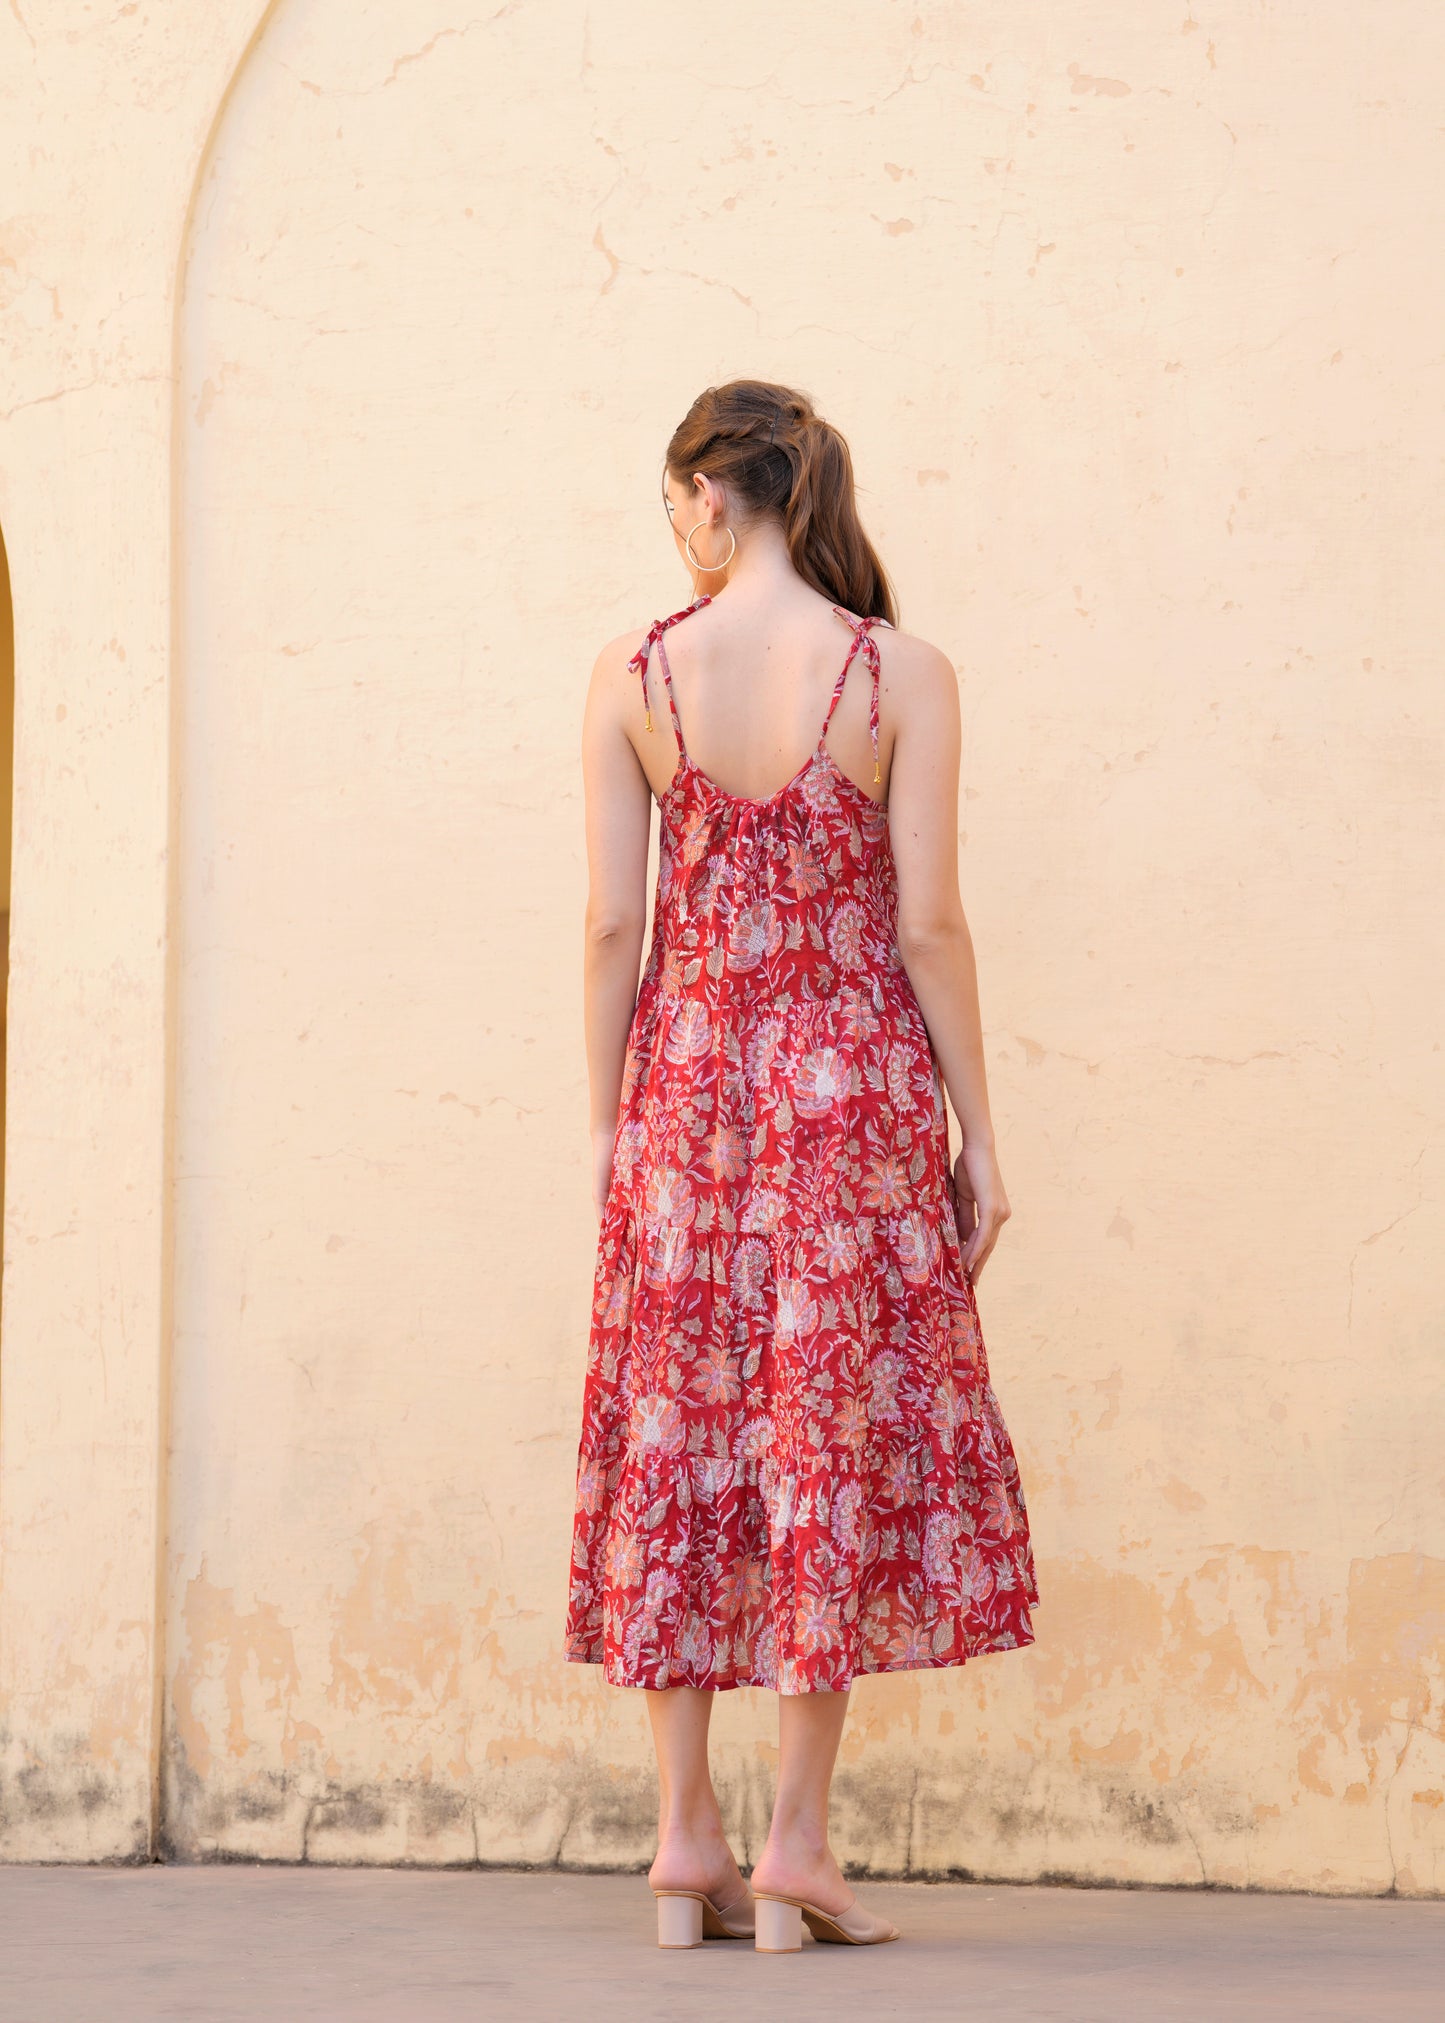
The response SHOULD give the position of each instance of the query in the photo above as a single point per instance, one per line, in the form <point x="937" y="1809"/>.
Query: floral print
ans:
<point x="792" y="1467"/>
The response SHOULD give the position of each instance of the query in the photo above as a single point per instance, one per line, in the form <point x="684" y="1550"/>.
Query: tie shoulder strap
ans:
<point x="862" y="637"/>
<point x="639" y="660"/>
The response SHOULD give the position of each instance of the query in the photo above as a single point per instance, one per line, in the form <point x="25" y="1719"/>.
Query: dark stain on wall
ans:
<point x="70" y="1786"/>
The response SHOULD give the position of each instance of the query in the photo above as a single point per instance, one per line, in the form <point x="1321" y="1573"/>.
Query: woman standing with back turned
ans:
<point x="792" y="1467"/>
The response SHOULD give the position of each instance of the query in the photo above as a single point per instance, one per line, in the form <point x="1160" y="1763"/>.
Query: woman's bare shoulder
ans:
<point x="619" y="651"/>
<point x="612" y="671"/>
<point x="913" y="668"/>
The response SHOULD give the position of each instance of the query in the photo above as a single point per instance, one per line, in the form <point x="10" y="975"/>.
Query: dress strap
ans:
<point x="864" y="638"/>
<point x="639" y="661"/>
<point x="671" y="698"/>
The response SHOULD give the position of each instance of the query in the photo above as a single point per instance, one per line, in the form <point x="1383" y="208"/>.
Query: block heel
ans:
<point x="687" y="1917"/>
<point x="779" y="1926"/>
<point x="679" y="1919"/>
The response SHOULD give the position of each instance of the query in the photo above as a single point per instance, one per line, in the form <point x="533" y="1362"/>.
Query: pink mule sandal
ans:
<point x="687" y="1917"/>
<point x="780" y="1925"/>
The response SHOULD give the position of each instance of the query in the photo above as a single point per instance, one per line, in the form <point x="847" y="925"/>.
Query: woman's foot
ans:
<point x="698" y="1858"/>
<point x="792" y="1866"/>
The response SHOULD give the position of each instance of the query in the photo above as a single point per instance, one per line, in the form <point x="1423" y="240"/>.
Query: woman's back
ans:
<point x="785" y="898"/>
<point x="753" y="678"/>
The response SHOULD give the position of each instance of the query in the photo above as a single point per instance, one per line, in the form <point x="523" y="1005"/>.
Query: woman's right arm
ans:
<point x="618" y="821"/>
<point x="933" y="936"/>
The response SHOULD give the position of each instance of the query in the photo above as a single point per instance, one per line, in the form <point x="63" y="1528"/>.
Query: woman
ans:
<point x="792" y="1467"/>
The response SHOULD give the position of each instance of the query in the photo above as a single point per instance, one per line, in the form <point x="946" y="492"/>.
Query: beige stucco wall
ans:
<point x="341" y="349"/>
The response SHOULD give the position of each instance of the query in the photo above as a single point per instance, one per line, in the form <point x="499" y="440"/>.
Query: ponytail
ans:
<point x="780" y="459"/>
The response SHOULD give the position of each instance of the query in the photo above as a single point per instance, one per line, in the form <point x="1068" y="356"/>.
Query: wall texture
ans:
<point x="342" y="344"/>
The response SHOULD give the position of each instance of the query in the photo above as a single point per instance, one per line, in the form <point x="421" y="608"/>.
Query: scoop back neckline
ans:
<point x="687" y="763"/>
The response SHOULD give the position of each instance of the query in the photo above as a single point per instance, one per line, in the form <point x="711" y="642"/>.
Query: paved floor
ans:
<point x="89" y="1945"/>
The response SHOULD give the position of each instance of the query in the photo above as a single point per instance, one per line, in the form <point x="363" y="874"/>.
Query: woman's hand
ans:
<point x="604" y="1138"/>
<point x="981" y="1203"/>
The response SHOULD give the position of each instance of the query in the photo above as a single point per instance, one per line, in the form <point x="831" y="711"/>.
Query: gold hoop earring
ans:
<point x="701" y="568"/>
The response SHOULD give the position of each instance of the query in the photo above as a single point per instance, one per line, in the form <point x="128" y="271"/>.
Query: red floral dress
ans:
<point x="792" y="1466"/>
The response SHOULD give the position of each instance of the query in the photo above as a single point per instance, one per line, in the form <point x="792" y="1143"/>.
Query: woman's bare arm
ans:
<point x="618" y="818"/>
<point x="933" y="936"/>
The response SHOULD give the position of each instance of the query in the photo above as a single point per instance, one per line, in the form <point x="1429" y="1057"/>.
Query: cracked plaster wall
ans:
<point x="1125" y="323"/>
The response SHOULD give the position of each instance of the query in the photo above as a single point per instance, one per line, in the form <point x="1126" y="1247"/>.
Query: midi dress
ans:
<point x="792" y="1466"/>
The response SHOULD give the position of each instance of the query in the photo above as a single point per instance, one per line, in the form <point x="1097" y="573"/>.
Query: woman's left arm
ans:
<point x="618" y="820"/>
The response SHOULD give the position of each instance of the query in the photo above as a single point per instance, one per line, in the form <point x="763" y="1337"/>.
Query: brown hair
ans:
<point x="780" y="460"/>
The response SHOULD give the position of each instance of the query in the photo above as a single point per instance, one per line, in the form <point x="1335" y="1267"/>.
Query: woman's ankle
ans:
<point x="799" y="1837"/>
<point x="698" y="1824"/>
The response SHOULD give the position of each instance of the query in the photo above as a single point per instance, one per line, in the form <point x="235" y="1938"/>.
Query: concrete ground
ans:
<point x="93" y="1945"/>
